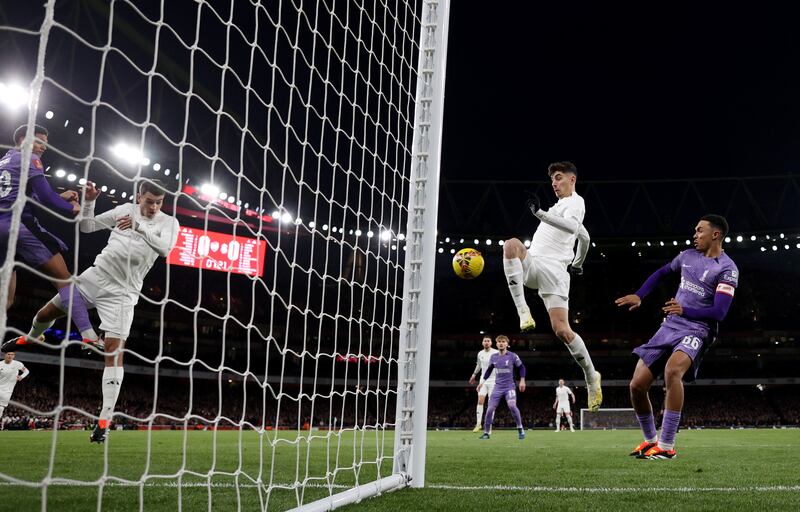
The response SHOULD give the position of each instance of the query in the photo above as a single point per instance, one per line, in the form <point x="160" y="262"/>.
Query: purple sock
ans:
<point x="515" y="413"/>
<point x="487" y="421"/>
<point x="648" y="424"/>
<point x="669" y="427"/>
<point x="79" y="313"/>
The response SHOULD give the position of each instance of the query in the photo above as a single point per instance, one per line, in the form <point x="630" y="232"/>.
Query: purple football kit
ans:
<point x="504" y="386"/>
<point x="35" y="245"/>
<point x="701" y="279"/>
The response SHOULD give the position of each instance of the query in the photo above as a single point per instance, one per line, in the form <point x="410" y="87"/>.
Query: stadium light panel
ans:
<point x="124" y="194"/>
<point x="753" y="238"/>
<point x="82" y="181"/>
<point x="739" y="238"/>
<point x="210" y="190"/>
<point x="286" y="218"/>
<point x="71" y="177"/>
<point x="312" y="224"/>
<point x="488" y="241"/>
<point x="49" y="114"/>
<point x="441" y="250"/>
<point x="156" y="166"/>
<point x="447" y="239"/>
<point x="60" y="173"/>
<point x="104" y="188"/>
<point x="501" y="243"/>
<point x="13" y="95"/>
<point x="224" y="196"/>
<point x="166" y="172"/>
<point x="129" y="154"/>
<point x="112" y="191"/>
<point x="325" y="227"/>
<point x="476" y="242"/>
<point x="527" y="243"/>
<point x="401" y="237"/>
<point x="386" y="235"/>
<point x="727" y="239"/>
<point x="358" y="232"/>
<point x="452" y="251"/>
<point x="370" y="234"/>
<point x="80" y="130"/>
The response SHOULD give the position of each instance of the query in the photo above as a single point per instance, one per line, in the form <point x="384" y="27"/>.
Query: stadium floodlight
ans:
<point x="82" y="181"/>
<point x="231" y="199"/>
<point x="124" y="194"/>
<point x="324" y="227"/>
<point x="452" y="251"/>
<point x="739" y="238"/>
<point x="386" y="235"/>
<point x="633" y="244"/>
<point x="60" y="173"/>
<point x="112" y="191"/>
<point x="247" y="205"/>
<point x="447" y="239"/>
<point x="209" y="189"/>
<point x="394" y="247"/>
<point x="401" y="236"/>
<point x="359" y="232"/>
<point x="781" y="235"/>
<point x="727" y="239"/>
<point x="286" y="218"/>
<point x="104" y="188"/>
<point x="688" y="242"/>
<point x="774" y="247"/>
<point x="334" y="229"/>
<point x="527" y="243"/>
<point x="441" y="250"/>
<point x="49" y="114"/>
<point x="239" y="202"/>
<point x="298" y="221"/>
<point x="224" y="196"/>
<point x="476" y="242"/>
<point x="129" y="154"/>
<point x="80" y="130"/>
<point x="370" y="234"/>
<point x="71" y="177"/>
<point x="488" y="241"/>
<point x="501" y="243"/>
<point x="166" y="172"/>
<point x="156" y="166"/>
<point x="798" y="246"/>
<point x="752" y="238"/>
<point x="275" y="214"/>
<point x="312" y="224"/>
<point x="786" y="246"/>
<point x="674" y="242"/>
<point x="13" y="95"/>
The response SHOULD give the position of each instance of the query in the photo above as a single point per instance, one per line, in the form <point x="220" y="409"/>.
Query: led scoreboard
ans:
<point x="211" y="250"/>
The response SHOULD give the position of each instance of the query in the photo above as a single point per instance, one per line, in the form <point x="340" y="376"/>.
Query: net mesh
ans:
<point x="284" y="126"/>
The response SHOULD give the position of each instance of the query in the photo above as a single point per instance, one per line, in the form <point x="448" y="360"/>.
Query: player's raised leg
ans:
<point x="560" y="324"/>
<point x="640" y="385"/>
<point x="514" y="253"/>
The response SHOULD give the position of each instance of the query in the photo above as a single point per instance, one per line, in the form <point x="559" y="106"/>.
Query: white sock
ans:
<point x="513" y="270"/>
<point x="112" y="383"/>
<point x="578" y="350"/>
<point x="479" y="413"/>
<point x="37" y="328"/>
<point x="558" y="422"/>
<point x="569" y="419"/>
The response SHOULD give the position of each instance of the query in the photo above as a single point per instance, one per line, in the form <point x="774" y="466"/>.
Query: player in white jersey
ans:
<point x="9" y="376"/>
<point x="140" y="233"/>
<point x="548" y="264"/>
<point x="561" y="405"/>
<point x="485" y="387"/>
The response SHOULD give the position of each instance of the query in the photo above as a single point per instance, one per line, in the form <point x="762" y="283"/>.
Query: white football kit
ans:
<point x="113" y="283"/>
<point x="562" y="393"/>
<point x="483" y="364"/>
<point x="8" y="379"/>
<point x="551" y="250"/>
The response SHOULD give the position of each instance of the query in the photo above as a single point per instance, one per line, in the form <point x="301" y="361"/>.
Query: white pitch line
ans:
<point x="604" y="490"/>
<point x="447" y="487"/>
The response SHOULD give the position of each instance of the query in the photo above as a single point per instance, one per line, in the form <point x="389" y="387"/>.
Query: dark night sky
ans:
<point x="674" y="92"/>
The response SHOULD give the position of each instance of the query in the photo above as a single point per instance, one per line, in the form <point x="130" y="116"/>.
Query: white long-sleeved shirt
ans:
<point x="560" y="227"/>
<point x="131" y="253"/>
<point x="483" y="363"/>
<point x="562" y="393"/>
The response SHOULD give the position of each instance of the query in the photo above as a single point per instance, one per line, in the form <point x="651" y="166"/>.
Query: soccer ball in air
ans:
<point x="468" y="263"/>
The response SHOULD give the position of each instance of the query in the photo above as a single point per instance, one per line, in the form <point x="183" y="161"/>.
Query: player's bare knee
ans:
<point x="638" y="387"/>
<point x="672" y="376"/>
<point x="513" y="248"/>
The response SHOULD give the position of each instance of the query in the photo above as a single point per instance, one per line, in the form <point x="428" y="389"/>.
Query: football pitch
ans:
<point x="726" y="470"/>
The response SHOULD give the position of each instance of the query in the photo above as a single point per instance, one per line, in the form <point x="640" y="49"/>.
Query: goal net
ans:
<point x="608" y="419"/>
<point x="278" y="355"/>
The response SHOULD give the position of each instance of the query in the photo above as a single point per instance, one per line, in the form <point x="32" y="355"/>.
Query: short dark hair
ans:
<point x="154" y="186"/>
<point x="22" y="131"/>
<point x="565" y="167"/>
<point x="717" y="221"/>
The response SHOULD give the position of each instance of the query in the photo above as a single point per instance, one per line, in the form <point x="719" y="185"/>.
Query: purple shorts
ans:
<point x="35" y="245"/>
<point x="667" y="340"/>
<point x="498" y="394"/>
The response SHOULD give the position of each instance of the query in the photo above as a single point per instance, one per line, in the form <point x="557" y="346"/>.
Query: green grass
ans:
<point x="722" y="470"/>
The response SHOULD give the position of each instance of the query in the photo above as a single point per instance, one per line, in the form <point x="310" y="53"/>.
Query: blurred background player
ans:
<point x="485" y="386"/>
<point x="503" y="364"/>
<point x="140" y="233"/>
<point x="561" y="405"/>
<point x="35" y="245"/>
<point x="547" y="266"/>
<point x="708" y="281"/>
<point x="9" y="376"/>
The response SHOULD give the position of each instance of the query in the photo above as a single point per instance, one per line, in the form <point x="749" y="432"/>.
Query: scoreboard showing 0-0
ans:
<point x="211" y="250"/>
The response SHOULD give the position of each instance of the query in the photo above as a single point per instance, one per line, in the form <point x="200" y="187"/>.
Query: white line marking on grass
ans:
<point x="604" y="490"/>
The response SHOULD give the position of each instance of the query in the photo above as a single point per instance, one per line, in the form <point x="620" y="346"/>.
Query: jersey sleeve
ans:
<point x="728" y="280"/>
<point x="517" y="361"/>
<point x="576" y="209"/>
<point x="36" y="167"/>
<point x="675" y="264"/>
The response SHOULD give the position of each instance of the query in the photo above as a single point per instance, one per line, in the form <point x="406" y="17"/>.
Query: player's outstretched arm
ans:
<point x="635" y="300"/>
<point x="162" y="241"/>
<point x="48" y="197"/>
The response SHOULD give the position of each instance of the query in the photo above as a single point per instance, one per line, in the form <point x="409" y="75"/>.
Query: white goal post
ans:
<point x="608" y="419"/>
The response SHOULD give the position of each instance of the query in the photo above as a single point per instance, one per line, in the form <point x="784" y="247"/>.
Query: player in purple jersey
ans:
<point x="708" y="281"/>
<point x="503" y="364"/>
<point x="35" y="245"/>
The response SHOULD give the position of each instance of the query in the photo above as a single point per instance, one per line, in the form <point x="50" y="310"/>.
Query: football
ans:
<point x="468" y="263"/>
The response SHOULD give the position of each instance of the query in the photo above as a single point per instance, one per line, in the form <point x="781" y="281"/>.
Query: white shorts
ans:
<point x="5" y="396"/>
<point x="487" y="388"/>
<point x="563" y="408"/>
<point x="550" y="277"/>
<point x="114" y="302"/>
